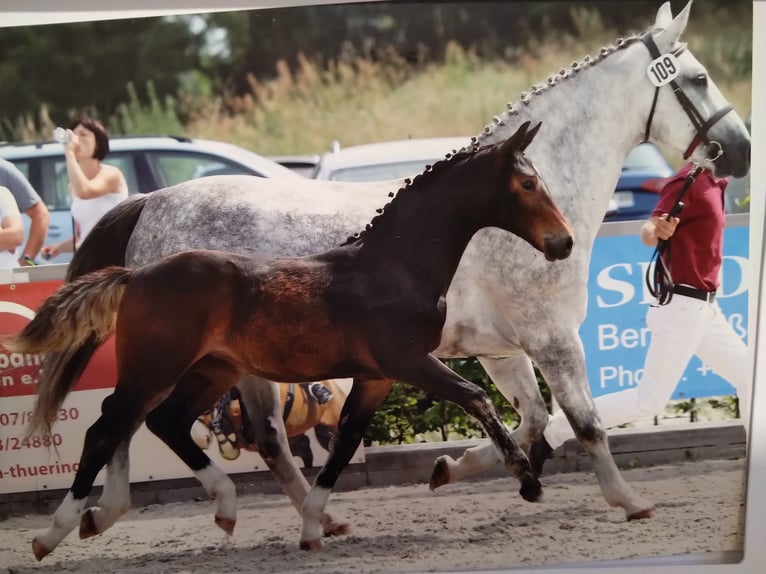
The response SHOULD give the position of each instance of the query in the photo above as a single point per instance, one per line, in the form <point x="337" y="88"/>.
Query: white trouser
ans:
<point x="680" y="329"/>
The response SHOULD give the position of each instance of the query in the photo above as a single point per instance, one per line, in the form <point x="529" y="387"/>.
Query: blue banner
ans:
<point x="615" y="334"/>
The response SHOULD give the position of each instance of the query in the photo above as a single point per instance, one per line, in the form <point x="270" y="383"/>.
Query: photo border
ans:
<point x="30" y="12"/>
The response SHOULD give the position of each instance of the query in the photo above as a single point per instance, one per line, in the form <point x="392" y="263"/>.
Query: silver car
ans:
<point x="148" y="163"/>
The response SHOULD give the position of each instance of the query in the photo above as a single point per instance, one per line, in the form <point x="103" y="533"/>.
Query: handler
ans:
<point x="690" y="324"/>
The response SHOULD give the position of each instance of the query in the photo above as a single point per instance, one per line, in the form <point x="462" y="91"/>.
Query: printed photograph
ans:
<point x="384" y="287"/>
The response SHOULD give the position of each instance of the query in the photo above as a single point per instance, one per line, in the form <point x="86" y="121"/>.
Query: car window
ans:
<point x="380" y="172"/>
<point x="175" y="167"/>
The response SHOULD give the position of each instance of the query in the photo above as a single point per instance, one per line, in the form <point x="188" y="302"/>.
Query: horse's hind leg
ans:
<point x="262" y="406"/>
<point x="515" y="378"/>
<point x="171" y="421"/>
<point x="361" y="404"/>
<point x="300" y="446"/>
<point x="121" y="416"/>
<point x="115" y="496"/>
<point x="563" y="364"/>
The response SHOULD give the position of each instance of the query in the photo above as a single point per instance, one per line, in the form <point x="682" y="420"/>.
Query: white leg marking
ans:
<point x="66" y="517"/>
<point x="313" y="506"/>
<point x="220" y="488"/>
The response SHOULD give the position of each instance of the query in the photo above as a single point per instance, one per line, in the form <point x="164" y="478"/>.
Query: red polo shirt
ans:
<point x="696" y="247"/>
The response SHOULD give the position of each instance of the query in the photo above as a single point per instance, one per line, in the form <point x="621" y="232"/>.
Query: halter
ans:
<point x="694" y="115"/>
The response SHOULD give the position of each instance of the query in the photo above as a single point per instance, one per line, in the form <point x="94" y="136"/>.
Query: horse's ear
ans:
<point x="672" y="30"/>
<point x="517" y="139"/>
<point x="529" y="136"/>
<point x="664" y="17"/>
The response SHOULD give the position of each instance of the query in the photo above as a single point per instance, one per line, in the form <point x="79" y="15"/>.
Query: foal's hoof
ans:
<point x="225" y="524"/>
<point x="88" y="526"/>
<point x="440" y="473"/>
<point x="332" y="528"/>
<point x="310" y="545"/>
<point x="531" y="490"/>
<point x="641" y="514"/>
<point x="39" y="549"/>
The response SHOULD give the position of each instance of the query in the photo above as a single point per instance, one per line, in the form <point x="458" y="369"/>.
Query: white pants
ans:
<point x="680" y="329"/>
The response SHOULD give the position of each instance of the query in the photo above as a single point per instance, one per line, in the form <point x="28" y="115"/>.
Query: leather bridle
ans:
<point x="700" y="124"/>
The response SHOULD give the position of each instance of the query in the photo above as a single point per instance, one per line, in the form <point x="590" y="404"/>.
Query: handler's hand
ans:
<point x="663" y="228"/>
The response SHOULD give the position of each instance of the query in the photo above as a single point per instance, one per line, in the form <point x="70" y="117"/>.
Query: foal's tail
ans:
<point x="78" y="317"/>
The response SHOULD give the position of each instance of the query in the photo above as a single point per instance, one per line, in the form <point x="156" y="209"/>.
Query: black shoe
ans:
<point x="320" y="393"/>
<point x="539" y="452"/>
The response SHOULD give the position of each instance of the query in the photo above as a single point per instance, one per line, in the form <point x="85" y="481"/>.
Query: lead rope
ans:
<point x="658" y="278"/>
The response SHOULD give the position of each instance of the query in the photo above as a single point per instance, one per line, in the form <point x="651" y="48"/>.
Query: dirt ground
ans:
<point x="479" y="525"/>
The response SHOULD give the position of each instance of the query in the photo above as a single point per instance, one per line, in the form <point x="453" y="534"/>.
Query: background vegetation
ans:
<point x="291" y="81"/>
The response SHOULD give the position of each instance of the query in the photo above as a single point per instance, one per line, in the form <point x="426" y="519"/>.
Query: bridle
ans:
<point x="701" y="125"/>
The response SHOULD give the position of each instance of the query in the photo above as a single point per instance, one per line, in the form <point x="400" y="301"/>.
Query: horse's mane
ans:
<point x="412" y="185"/>
<point x="511" y="108"/>
<point x="553" y="80"/>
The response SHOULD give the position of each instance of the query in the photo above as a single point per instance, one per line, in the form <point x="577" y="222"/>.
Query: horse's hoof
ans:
<point x="310" y="545"/>
<point x="39" y="549"/>
<point x="641" y="514"/>
<point x="88" y="526"/>
<point x="440" y="474"/>
<point x="531" y="490"/>
<point x="225" y="524"/>
<point x="337" y="529"/>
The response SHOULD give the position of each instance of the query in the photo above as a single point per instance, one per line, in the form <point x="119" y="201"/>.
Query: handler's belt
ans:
<point x="708" y="296"/>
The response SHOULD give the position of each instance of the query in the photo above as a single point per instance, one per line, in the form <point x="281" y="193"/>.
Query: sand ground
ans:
<point x="477" y="525"/>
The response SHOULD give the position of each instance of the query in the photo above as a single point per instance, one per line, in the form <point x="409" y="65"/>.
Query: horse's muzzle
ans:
<point x="558" y="247"/>
<point x="734" y="160"/>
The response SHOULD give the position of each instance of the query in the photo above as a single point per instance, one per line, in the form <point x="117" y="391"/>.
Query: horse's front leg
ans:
<point x="365" y="398"/>
<point x="515" y="377"/>
<point x="264" y="427"/>
<point x="433" y="376"/>
<point x="562" y="362"/>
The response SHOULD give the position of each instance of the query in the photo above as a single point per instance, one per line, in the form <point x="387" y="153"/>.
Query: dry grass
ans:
<point x="364" y="101"/>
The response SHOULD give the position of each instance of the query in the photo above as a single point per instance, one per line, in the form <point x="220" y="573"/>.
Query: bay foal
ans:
<point x="188" y="327"/>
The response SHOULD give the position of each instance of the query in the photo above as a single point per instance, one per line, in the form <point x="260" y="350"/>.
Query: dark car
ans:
<point x="643" y="176"/>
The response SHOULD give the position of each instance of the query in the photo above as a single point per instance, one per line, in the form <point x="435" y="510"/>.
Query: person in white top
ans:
<point x="95" y="187"/>
<point x="11" y="229"/>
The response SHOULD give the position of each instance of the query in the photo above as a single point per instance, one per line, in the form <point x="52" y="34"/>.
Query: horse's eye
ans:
<point x="528" y="185"/>
<point x="700" y="80"/>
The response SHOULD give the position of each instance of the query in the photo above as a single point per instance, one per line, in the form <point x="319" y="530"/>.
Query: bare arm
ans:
<point x="40" y="217"/>
<point x="657" y="228"/>
<point x="11" y="232"/>
<point x="108" y="179"/>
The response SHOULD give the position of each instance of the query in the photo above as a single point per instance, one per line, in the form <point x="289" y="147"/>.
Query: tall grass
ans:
<point x="358" y="100"/>
<point x="361" y="101"/>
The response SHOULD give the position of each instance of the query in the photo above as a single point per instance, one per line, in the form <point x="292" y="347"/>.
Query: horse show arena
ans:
<point x="476" y="525"/>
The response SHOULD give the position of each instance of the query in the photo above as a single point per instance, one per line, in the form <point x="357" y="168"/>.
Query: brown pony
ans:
<point x="301" y="414"/>
<point x="189" y="326"/>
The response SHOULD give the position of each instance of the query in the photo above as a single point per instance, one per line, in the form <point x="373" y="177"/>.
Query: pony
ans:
<point x="187" y="328"/>
<point x="300" y="414"/>
<point x="596" y="110"/>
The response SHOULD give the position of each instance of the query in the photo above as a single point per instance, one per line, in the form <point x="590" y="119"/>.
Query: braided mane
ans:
<point x="512" y="108"/>
<point x="555" y="79"/>
<point x="415" y="184"/>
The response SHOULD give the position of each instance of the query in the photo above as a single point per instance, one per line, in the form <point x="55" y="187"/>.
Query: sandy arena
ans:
<point x="700" y="508"/>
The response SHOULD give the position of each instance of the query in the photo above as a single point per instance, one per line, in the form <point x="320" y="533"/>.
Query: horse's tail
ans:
<point x="104" y="246"/>
<point x="78" y="317"/>
<point x="107" y="243"/>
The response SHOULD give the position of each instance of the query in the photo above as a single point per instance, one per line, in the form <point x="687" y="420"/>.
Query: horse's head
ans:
<point x="686" y="109"/>
<point x="525" y="206"/>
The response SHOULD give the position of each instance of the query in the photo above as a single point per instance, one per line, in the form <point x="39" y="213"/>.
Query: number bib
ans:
<point x="663" y="70"/>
